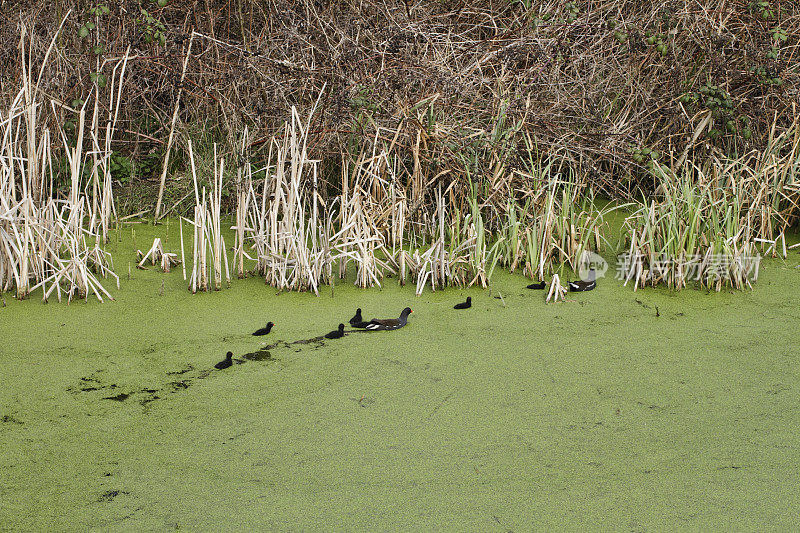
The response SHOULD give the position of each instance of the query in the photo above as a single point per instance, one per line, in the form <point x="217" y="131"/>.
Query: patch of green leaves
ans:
<point x="98" y="10"/>
<point x="152" y="28"/>
<point x="644" y="155"/>
<point x="94" y="12"/>
<point x="121" y="167"/>
<point x="571" y="11"/>
<point x="766" y="76"/>
<point x="659" y="40"/>
<point x="715" y="99"/>
<point x="763" y="9"/>
<point x="99" y="78"/>
<point x="779" y="34"/>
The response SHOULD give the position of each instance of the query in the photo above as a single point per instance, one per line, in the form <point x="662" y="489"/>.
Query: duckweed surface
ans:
<point x="615" y="410"/>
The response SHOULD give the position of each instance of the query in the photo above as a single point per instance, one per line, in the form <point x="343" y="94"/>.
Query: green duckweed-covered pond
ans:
<point x="513" y="415"/>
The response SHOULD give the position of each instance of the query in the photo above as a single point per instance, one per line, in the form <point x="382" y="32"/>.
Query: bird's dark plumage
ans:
<point x="389" y="323"/>
<point x="536" y="286"/>
<point x="225" y="363"/>
<point x="362" y="324"/>
<point x="583" y="285"/>
<point x="265" y="330"/>
<point x="356" y="319"/>
<point x="336" y="334"/>
<point x="464" y="305"/>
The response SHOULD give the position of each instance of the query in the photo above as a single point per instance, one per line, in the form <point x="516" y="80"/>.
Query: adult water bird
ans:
<point x="225" y="363"/>
<point x="265" y="330"/>
<point x="584" y="285"/>
<point x="357" y="318"/>
<point x="464" y="305"/>
<point x="336" y="334"/>
<point x="389" y="323"/>
<point x="536" y="286"/>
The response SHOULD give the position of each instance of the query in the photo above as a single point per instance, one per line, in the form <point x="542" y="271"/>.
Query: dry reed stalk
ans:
<point x="183" y="257"/>
<point x="556" y="292"/>
<point x="156" y="254"/>
<point x="103" y="207"/>
<point x="244" y="185"/>
<point x="215" y="227"/>
<point x="165" y="166"/>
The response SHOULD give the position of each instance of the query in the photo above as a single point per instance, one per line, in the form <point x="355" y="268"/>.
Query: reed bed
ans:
<point x="709" y="223"/>
<point x="288" y="231"/>
<point x="558" y="222"/>
<point x="384" y="225"/>
<point x="696" y="231"/>
<point x="48" y="238"/>
<point x="705" y="224"/>
<point x="458" y="254"/>
<point x="436" y="199"/>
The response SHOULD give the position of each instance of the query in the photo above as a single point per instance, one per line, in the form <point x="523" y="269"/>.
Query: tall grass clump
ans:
<point x="707" y="223"/>
<point x="208" y="243"/>
<point x="287" y="227"/>
<point x="694" y="232"/>
<point x="51" y="237"/>
<point x="558" y="221"/>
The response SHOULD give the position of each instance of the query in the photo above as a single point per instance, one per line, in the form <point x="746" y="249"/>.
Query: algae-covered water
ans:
<point x="513" y="415"/>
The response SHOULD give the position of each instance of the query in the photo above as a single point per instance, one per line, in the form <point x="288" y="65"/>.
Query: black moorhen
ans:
<point x="582" y="286"/>
<point x="389" y="323"/>
<point x="225" y="363"/>
<point x="265" y="330"/>
<point x="464" y="305"/>
<point x="356" y="319"/>
<point x="536" y="286"/>
<point x="336" y="334"/>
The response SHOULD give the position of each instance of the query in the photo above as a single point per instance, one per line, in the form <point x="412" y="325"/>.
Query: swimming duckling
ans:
<point x="265" y="330"/>
<point x="225" y="363"/>
<point x="464" y="305"/>
<point x="336" y="334"/>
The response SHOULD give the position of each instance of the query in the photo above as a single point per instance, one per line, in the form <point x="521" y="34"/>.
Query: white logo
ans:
<point x="591" y="261"/>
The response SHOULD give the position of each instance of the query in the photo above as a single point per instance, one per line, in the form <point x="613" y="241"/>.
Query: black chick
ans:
<point x="225" y="363"/>
<point x="464" y="305"/>
<point x="357" y="318"/>
<point x="336" y="334"/>
<point x="265" y="330"/>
